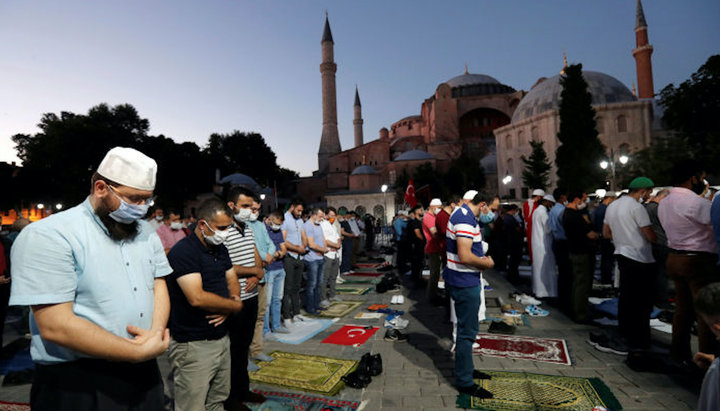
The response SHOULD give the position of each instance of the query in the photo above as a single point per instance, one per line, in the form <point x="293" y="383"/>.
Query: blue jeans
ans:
<point x="275" y="283"/>
<point x="312" y="287"/>
<point x="467" y="304"/>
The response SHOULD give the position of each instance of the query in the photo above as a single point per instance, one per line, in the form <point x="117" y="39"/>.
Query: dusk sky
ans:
<point x="193" y="68"/>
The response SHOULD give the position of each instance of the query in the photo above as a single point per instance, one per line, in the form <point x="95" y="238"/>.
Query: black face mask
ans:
<point x="698" y="187"/>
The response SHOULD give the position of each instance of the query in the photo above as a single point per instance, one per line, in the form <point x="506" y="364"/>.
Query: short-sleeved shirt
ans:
<point x="576" y="230"/>
<point x="241" y="247"/>
<point x="277" y="238"/>
<point x="625" y="217"/>
<point x="168" y="236"/>
<point x="555" y="219"/>
<point x="412" y="225"/>
<point x="332" y="235"/>
<point x="652" y="210"/>
<point x="293" y="231"/>
<point x="598" y="218"/>
<point x="441" y="222"/>
<point x="399" y="225"/>
<point x="315" y="232"/>
<point x="685" y="216"/>
<point x="354" y="227"/>
<point x="69" y="257"/>
<point x="462" y="224"/>
<point x="347" y="241"/>
<point x="431" y="241"/>
<point x="188" y="323"/>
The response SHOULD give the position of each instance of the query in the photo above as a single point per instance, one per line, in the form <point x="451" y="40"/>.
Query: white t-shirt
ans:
<point x="626" y="216"/>
<point x="330" y="234"/>
<point x="710" y="392"/>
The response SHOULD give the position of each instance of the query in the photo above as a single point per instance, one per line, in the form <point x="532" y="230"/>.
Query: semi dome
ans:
<point x="467" y="85"/>
<point x="413" y="155"/>
<point x="545" y="95"/>
<point x="364" y="169"/>
<point x="239" y="179"/>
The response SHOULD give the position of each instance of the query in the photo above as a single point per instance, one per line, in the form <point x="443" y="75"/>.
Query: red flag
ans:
<point x="410" y="194"/>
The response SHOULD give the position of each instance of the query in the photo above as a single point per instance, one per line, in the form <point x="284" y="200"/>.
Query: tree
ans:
<point x="691" y="110"/>
<point x="580" y="150"/>
<point x="537" y="168"/>
<point x="465" y="172"/>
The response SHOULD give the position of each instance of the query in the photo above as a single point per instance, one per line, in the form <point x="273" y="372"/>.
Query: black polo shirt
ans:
<point x="576" y="230"/>
<point x="189" y="255"/>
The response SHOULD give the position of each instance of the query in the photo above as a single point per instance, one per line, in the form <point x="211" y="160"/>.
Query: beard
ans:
<point x="117" y="231"/>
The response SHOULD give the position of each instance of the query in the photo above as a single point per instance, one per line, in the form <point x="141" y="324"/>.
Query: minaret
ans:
<point x="642" y="53"/>
<point x="358" y="121"/>
<point x="330" y="141"/>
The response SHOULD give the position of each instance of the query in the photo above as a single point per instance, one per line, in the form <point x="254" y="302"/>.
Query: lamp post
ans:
<point x="384" y="188"/>
<point x="622" y="159"/>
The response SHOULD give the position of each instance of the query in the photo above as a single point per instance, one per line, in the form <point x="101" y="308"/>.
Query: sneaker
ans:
<point x="263" y="357"/>
<point x="397" y="323"/>
<point x="281" y="330"/>
<point x="340" y="280"/>
<point x="393" y="300"/>
<point x="525" y="299"/>
<point x="479" y="375"/>
<point x="535" y="311"/>
<point x="394" y="335"/>
<point x="400" y="299"/>
<point x="254" y="397"/>
<point x="288" y="322"/>
<point x="325" y="303"/>
<point x="602" y="342"/>
<point x="375" y="365"/>
<point x="475" y="391"/>
<point x="357" y="379"/>
<point x="252" y="367"/>
<point x="500" y="327"/>
<point x="488" y="288"/>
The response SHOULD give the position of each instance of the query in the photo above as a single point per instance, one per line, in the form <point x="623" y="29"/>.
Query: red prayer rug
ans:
<point x="364" y="274"/>
<point x="14" y="406"/>
<point x="369" y="265"/>
<point x="523" y="348"/>
<point x="354" y="335"/>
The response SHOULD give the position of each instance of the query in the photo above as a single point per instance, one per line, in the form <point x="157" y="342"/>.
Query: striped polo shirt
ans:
<point x="241" y="247"/>
<point x="462" y="224"/>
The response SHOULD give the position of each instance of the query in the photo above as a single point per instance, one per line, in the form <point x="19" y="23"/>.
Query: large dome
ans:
<point x="467" y="85"/>
<point x="363" y="169"/>
<point x="545" y="96"/>
<point x="414" y="155"/>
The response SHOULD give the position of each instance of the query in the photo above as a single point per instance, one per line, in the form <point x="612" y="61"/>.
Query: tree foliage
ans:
<point x="536" y="173"/>
<point x="656" y="161"/>
<point x="580" y="150"/>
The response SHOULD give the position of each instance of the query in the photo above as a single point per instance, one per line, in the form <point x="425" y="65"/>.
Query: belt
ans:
<point x="691" y="253"/>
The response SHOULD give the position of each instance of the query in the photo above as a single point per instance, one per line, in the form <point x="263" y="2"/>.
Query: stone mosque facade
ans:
<point x="477" y="115"/>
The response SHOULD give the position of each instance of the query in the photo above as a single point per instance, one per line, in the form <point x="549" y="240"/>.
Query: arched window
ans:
<point x="600" y="125"/>
<point x="508" y="142"/>
<point x="342" y="209"/>
<point x="510" y="168"/>
<point x="621" y="124"/>
<point x="520" y="139"/>
<point x="379" y="212"/>
<point x="535" y="134"/>
<point x="360" y="210"/>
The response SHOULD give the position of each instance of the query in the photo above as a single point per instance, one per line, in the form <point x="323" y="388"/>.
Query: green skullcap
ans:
<point x="642" y="182"/>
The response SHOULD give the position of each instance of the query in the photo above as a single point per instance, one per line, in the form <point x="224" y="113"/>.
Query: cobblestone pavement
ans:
<point x="418" y="375"/>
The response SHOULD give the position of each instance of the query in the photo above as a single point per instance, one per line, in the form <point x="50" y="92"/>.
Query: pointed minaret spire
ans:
<point x="358" y="121"/>
<point x="633" y="89"/>
<point x="642" y="52"/>
<point x="466" y="69"/>
<point x="564" y="63"/>
<point x="330" y="139"/>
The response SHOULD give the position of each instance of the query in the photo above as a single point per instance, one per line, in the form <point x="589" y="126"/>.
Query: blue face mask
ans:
<point x="487" y="218"/>
<point x="128" y="213"/>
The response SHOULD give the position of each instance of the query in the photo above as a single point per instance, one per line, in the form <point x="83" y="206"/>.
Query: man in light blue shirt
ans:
<point x="295" y="242"/>
<point x="560" y="247"/>
<point x="93" y="276"/>
<point x="314" y="260"/>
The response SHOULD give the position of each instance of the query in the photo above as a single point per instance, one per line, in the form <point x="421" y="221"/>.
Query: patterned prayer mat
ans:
<point x="14" y="406"/>
<point x="523" y="348"/>
<point x="311" y="373"/>
<point x="302" y="331"/>
<point x="370" y="265"/>
<point x="363" y="274"/>
<point x="339" y="309"/>
<point x="353" y="335"/>
<point x="285" y="401"/>
<point x="353" y="290"/>
<point x="361" y="280"/>
<point x="519" y="391"/>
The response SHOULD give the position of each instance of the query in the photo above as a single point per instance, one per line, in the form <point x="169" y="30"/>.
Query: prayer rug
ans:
<point x="339" y="309"/>
<point x="311" y="373"/>
<point x="14" y="406"/>
<point x="520" y="391"/>
<point x="363" y="274"/>
<point x="523" y="348"/>
<point x="353" y="290"/>
<point x="353" y="335"/>
<point x="285" y="401"/>
<point x="361" y="281"/>
<point x="370" y="265"/>
<point x="369" y="316"/>
<point x="301" y="331"/>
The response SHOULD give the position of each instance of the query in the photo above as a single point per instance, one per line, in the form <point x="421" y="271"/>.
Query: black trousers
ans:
<point x="91" y="384"/>
<point x="635" y="301"/>
<point x="562" y="258"/>
<point x="607" y="261"/>
<point x="403" y="249"/>
<point x="4" y="298"/>
<point x="241" y="331"/>
<point x="513" y="273"/>
<point x="417" y="263"/>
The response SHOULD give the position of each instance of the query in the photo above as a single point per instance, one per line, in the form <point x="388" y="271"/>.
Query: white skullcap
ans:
<point x="549" y="197"/>
<point x="538" y="192"/>
<point x="129" y="167"/>
<point x="469" y="195"/>
<point x="435" y="202"/>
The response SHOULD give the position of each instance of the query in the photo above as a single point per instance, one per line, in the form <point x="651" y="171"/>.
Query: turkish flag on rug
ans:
<point x="518" y="347"/>
<point x="410" y="194"/>
<point x="354" y="335"/>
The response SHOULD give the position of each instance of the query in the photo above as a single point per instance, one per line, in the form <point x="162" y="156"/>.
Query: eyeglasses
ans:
<point x="134" y="199"/>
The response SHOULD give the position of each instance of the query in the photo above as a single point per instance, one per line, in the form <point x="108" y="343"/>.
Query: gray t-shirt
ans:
<point x="652" y="210"/>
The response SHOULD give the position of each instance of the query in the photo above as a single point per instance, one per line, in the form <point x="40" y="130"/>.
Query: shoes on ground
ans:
<point x="396" y="322"/>
<point x="394" y="335"/>
<point x="236" y="406"/>
<point x="281" y="330"/>
<point x="500" y="327"/>
<point x="536" y="311"/>
<point x="602" y="342"/>
<point x="508" y="310"/>
<point x="287" y="322"/>
<point x="397" y="299"/>
<point x="254" y="397"/>
<point x="263" y="357"/>
<point x="325" y="303"/>
<point x="525" y="299"/>
<point x="475" y="391"/>
<point x="252" y="367"/>
<point x="371" y="364"/>
<point x="479" y="375"/>
<point x="359" y="378"/>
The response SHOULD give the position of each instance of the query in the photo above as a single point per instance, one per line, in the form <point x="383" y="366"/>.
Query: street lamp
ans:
<point x="507" y="179"/>
<point x="600" y="192"/>
<point x="58" y="206"/>
<point x="262" y="197"/>
<point x="384" y="188"/>
<point x="622" y="159"/>
<point x="40" y="206"/>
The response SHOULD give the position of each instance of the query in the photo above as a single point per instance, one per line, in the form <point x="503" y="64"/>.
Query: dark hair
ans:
<point x="169" y="211"/>
<point x="482" y="197"/>
<point x="559" y="192"/>
<point x="707" y="300"/>
<point x="454" y="198"/>
<point x="414" y="209"/>
<point x="329" y="209"/>
<point x="235" y="191"/>
<point x="685" y="170"/>
<point x="210" y="208"/>
<point x="97" y="177"/>
<point x="277" y="214"/>
<point x="573" y="194"/>
<point x="315" y="210"/>
<point x="296" y="202"/>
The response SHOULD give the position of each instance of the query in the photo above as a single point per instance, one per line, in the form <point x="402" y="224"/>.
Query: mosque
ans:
<point x="476" y="115"/>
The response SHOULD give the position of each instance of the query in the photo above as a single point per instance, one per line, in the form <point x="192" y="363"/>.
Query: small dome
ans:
<point x="471" y="80"/>
<point x="468" y="85"/>
<point x="364" y="169"/>
<point x="239" y="179"/>
<point x="414" y="155"/>
<point x="545" y="95"/>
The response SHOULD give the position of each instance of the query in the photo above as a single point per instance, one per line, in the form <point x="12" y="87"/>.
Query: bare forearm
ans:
<point x="214" y="303"/>
<point x="161" y="310"/>
<point x="254" y="271"/>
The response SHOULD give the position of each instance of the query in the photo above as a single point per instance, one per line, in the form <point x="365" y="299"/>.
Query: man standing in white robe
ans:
<point x="544" y="275"/>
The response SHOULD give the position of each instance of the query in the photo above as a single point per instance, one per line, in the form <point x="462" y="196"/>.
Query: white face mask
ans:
<point x="243" y="215"/>
<point x="218" y="236"/>
<point x="159" y="217"/>
<point x="581" y="206"/>
<point x="275" y="227"/>
<point x="254" y="216"/>
<point x="176" y="225"/>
